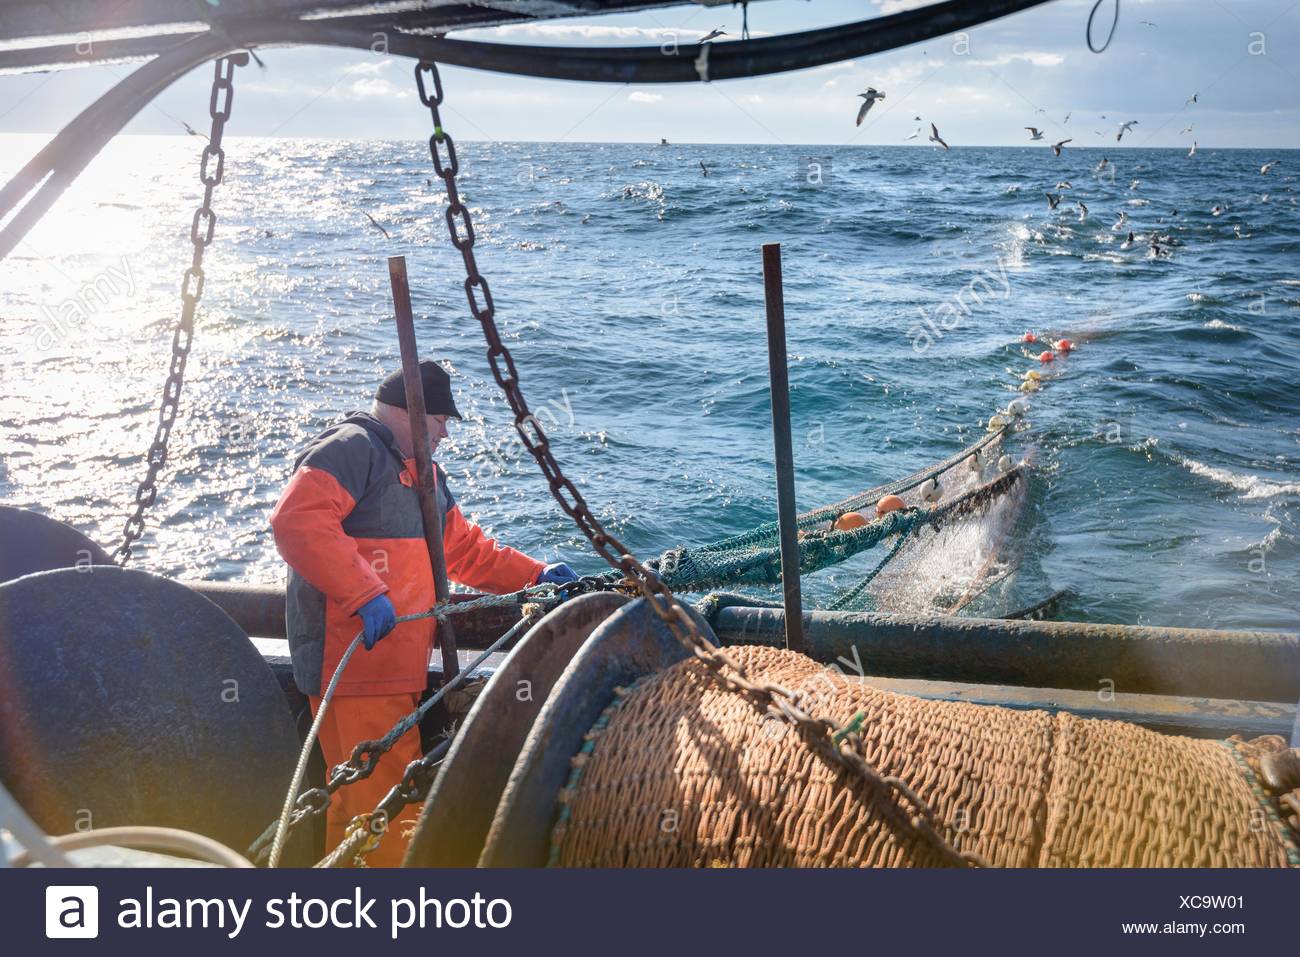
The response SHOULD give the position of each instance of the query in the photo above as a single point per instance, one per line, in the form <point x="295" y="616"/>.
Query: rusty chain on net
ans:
<point x="840" y="745"/>
<point x="201" y="231"/>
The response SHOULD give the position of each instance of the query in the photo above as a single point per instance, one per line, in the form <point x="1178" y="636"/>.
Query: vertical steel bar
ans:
<point x="778" y="376"/>
<point x="423" y="458"/>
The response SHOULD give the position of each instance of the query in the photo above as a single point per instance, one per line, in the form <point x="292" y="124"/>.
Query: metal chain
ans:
<point x="201" y="231"/>
<point x="841" y="745"/>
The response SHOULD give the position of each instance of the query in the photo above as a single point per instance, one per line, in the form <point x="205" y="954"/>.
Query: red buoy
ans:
<point x="1029" y="337"/>
<point x="1065" y="345"/>
<point x="890" y="503"/>
<point x="1046" y="357"/>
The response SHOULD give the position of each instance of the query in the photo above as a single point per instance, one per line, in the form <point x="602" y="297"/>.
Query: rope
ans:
<point x="1109" y="36"/>
<point x="140" y="836"/>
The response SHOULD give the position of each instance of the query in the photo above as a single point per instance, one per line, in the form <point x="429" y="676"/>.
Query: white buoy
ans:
<point x="1004" y="464"/>
<point x="996" y="423"/>
<point x="930" y="491"/>
<point x="1017" y="407"/>
<point x="973" y="463"/>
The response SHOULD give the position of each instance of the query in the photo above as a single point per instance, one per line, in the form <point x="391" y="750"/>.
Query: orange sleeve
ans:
<point x="308" y="527"/>
<point x="475" y="560"/>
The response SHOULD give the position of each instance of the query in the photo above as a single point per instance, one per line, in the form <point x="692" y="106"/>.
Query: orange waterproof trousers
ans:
<point x="349" y="720"/>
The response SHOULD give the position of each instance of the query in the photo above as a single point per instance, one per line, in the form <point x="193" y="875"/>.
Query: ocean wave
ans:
<point x="1251" y="486"/>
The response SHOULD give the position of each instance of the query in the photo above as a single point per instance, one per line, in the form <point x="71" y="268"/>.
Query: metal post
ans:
<point x="780" y="383"/>
<point x="423" y="458"/>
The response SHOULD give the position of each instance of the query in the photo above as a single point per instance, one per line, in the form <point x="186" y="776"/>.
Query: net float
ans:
<point x="890" y="503"/>
<point x="1004" y="464"/>
<point x="848" y="521"/>
<point x="1046" y="356"/>
<point x="1029" y="337"/>
<point x="1064" y="345"/>
<point x="929" y="491"/>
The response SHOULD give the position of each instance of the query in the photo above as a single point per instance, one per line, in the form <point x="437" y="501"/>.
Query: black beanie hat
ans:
<point x="437" y="390"/>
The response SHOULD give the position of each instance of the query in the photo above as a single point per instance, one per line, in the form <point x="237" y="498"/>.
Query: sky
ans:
<point x="983" y="88"/>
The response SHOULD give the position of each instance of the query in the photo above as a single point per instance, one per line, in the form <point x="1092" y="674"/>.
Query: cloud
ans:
<point x="1034" y="57"/>
<point x="642" y="97"/>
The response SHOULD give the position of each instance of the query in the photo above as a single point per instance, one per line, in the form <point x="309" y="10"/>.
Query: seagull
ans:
<point x="1121" y="222"/>
<point x="376" y="225"/>
<point x="1194" y="98"/>
<point x="1053" y="200"/>
<point x="1240" y="235"/>
<point x="1218" y="210"/>
<point x="1128" y="243"/>
<point x="1146" y="23"/>
<point x="868" y="101"/>
<point x="1083" y="211"/>
<point x="1124" y="128"/>
<point x="662" y="141"/>
<point x="935" y="137"/>
<point x="1100" y="166"/>
<point x="191" y="130"/>
<point x="585" y="220"/>
<point x="1034" y="133"/>
<point x="917" y="118"/>
<point x="704" y="169"/>
<point x="1134" y="185"/>
<point x="1067" y="117"/>
<point x="1267" y="166"/>
<point x="1192" y="151"/>
<point x="1065" y="184"/>
<point x="712" y="35"/>
<point x="914" y="135"/>
<point x="1185" y="129"/>
<point x="1056" y="147"/>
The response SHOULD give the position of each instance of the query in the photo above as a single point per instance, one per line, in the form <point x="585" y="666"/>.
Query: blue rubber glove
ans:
<point x="379" y="617"/>
<point x="557" y="574"/>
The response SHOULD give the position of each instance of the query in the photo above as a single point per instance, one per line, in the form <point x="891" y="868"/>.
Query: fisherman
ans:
<point x="349" y="526"/>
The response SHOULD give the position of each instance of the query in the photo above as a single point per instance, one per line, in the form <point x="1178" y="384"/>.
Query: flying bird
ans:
<point x="915" y="134"/>
<point x="1134" y="184"/>
<point x="1192" y="152"/>
<point x="1053" y="200"/>
<point x="1065" y="184"/>
<point x="1056" y="147"/>
<point x="712" y="35"/>
<point x="1146" y="23"/>
<point x="1124" y="128"/>
<point x="376" y="225"/>
<point x="1218" y="210"/>
<point x="935" y="137"/>
<point x="1121" y="222"/>
<point x="1194" y="98"/>
<point x="1128" y="243"/>
<point x="1267" y="166"/>
<point x="1100" y="166"/>
<point x="1185" y="129"/>
<point x="704" y="169"/>
<point x="917" y="118"/>
<point x="1083" y="211"/>
<point x="1034" y="133"/>
<point x="1067" y="117"/>
<point x="191" y="130"/>
<point x="868" y="101"/>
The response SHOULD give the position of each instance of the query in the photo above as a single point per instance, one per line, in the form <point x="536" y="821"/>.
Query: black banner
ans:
<point x="667" y="913"/>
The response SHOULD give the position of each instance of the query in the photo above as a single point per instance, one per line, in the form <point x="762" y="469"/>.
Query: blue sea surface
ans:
<point x="628" y="285"/>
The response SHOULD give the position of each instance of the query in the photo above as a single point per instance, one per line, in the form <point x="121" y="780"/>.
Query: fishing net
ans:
<point x="677" y="773"/>
<point x="941" y="552"/>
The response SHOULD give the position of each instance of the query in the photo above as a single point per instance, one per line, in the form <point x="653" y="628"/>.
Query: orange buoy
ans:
<point x="1046" y="356"/>
<point x="847" y="521"/>
<point x="1029" y="337"/>
<point x="890" y="503"/>
<point x="1065" y="345"/>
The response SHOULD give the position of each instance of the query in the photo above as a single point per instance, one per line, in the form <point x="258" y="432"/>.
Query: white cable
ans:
<point x="140" y="836"/>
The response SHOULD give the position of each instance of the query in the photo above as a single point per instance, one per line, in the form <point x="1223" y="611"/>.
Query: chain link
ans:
<point x="843" y="746"/>
<point x="202" y="229"/>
